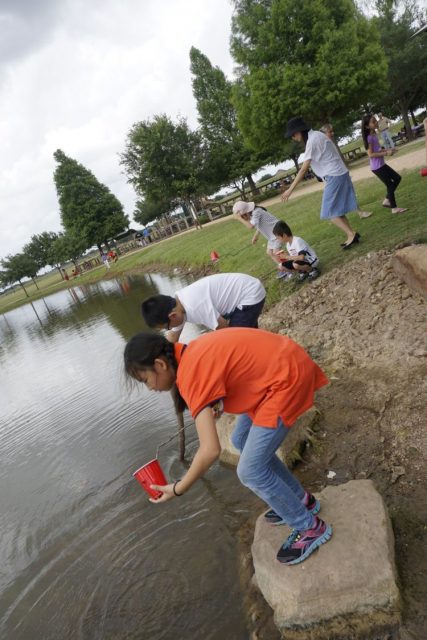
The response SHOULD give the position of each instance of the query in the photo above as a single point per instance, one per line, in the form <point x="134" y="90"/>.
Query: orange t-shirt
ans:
<point x="263" y="374"/>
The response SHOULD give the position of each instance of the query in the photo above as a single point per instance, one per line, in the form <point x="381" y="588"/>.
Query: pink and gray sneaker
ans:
<point x="310" y="502"/>
<point x="300" y="544"/>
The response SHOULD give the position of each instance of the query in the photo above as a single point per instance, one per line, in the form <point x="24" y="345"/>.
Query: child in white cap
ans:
<point x="263" y="222"/>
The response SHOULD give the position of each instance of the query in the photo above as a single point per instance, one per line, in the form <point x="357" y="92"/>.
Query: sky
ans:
<point x="76" y="75"/>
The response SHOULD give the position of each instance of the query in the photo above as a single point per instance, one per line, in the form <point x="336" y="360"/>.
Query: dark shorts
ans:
<point x="289" y="264"/>
<point x="247" y="316"/>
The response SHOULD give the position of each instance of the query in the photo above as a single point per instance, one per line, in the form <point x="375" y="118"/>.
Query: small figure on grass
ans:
<point x="300" y="260"/>
<point x="383" y="171"/>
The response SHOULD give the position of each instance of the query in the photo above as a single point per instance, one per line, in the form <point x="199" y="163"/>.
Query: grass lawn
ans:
<point x="233" y="242"/>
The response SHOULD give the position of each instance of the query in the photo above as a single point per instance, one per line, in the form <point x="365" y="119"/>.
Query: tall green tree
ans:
<point x="231" y="157"/>
<point x="88" y="208"/>
<point x="166" y="162"/>
<point x="19" y="266"/>
<point x="406" y="55"/>
<point x="313" y="58"/>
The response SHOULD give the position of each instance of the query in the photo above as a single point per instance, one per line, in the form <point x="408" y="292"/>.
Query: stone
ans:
<point x="290" y="450"/>
<point x="347" y="588"/>
<point x="410" y="264"/>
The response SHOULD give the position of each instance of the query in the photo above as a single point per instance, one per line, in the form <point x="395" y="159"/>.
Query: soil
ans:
<point x="367" y="330"/>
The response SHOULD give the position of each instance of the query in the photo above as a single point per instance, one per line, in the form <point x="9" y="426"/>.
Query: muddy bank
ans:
<point x="367" y="330"/>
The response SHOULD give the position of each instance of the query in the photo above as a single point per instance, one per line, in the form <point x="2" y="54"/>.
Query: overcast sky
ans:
<point x="76" y="75"/>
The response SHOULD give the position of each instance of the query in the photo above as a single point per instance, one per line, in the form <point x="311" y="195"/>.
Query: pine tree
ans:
<point x="88" y="208"/>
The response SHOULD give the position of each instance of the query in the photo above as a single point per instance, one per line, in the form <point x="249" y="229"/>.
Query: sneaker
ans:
<point x="302" y="276"/>
<point x="313" y="505"/>
<point x="304" y="543"/>
<point x="284" y="275"/>
<point x="314" y="273"/>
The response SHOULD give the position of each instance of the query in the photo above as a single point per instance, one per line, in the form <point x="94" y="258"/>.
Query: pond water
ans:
<point x="84" y="554"/>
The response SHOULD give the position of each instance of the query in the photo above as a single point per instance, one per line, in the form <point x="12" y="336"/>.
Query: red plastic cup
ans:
<point x="151" y="473"/>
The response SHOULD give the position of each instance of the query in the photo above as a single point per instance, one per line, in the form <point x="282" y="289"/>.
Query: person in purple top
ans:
<point x="378" y="165"/>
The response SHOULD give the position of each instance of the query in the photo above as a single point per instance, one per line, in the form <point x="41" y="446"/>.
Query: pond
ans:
<point x="84" y="554"/>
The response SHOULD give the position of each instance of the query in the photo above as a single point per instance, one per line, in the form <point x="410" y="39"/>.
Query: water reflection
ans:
<point x="84" y="555"/>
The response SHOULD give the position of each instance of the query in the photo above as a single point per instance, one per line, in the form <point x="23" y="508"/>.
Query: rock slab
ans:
<point x="347" y="588"/>
<point x="289" y="450"/>
<point x="410" y="264"/>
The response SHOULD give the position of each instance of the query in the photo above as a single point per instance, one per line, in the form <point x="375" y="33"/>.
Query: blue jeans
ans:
<point x="260" y="470"/>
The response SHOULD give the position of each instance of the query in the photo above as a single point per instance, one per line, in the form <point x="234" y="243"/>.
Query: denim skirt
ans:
<point x="338" y="197"/>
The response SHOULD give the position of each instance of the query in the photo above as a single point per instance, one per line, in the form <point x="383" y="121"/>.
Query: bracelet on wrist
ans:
<point x="175" y="493"/>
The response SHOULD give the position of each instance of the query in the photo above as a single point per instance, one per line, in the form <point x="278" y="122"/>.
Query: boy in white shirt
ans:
<point x="300" y="257"/>
<point x="218" y="301"/>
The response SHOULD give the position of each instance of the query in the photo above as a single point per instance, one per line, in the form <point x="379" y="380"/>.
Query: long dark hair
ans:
<point x="366" y="131"/>
<point x="140" y="353"/>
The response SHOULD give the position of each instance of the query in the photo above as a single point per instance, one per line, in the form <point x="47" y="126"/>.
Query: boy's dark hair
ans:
<point x="281" y="229"/>
<point x="365" y="129"/>
<point x="156" y="310"/>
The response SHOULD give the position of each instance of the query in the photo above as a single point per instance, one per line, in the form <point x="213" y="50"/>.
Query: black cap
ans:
<point x="295" y="125"/>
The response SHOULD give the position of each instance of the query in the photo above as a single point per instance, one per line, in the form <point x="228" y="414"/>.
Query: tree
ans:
<point x="68" y="246"/>
<point x="312" y="58"/>
<point x="88" y="208"/>
<point x="231" y="158"/>
<point x="406" y="57"/>
<point x="166" y="162"/>
<point x="17" y="267"/>
<point x="39" y="247"/>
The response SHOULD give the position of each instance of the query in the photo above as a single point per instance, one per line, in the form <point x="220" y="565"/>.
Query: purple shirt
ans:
<point x="376" y="163"/>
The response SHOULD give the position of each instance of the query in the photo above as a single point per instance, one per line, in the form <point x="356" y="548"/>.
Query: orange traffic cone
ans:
<point x="214" y="256"/>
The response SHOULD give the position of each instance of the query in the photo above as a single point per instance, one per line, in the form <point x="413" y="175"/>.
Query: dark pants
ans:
<point x="247" y="316"/>
<point x="391" y="180"/>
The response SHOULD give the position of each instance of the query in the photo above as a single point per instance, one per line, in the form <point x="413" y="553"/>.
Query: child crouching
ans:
<point x="300" y="258"/>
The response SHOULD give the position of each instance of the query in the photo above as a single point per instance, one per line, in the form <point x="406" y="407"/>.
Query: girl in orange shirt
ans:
<point x="266" y="378"/>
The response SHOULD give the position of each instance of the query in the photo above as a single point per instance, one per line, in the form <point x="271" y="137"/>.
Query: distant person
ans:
<point x="300" y="258"/>
<point x="112" y="255"/>
<point x="328" y="130"/>
<point x="218" y="301"/>
<point x="383" y="171"/>
<point x="147" y="235"/>
<point x="258" y="218"/>
<point x="105" y="261"/>
<point x="268" y="380"/>
<point x="65" y="275"/>
<point x="339" y="197"/>
<point x="384" y="130"/>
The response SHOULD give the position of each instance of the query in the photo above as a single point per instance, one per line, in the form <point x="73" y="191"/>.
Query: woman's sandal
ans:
<point x="399" y="210"/>
<point x="386" y="203"/>
<point x="355" y="240"/>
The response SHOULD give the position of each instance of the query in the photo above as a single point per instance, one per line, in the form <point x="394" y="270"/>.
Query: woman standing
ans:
<point x="376" y="155"/>
<point x="338" y="197"/>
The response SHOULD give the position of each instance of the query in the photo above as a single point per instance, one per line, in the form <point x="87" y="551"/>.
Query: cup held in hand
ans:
<point x="150" y="473"/>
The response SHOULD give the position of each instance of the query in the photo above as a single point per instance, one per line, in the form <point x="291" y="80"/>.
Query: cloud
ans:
<point x="92" y="71"/>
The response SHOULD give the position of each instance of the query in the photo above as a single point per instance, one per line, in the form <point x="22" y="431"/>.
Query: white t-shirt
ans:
<point x="208" y="298"/>
<point x="325" y="157"/>
<point x="298" y="246"/>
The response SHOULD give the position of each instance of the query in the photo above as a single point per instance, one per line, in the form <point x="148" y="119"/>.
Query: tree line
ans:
<point x="325" y="60"/>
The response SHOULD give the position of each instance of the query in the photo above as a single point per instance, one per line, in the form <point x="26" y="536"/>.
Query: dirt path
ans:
<point x="411" y="160"/>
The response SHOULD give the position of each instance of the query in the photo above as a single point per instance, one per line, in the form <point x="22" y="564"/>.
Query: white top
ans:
<point x="208" y="298"/>
<point x="325" y="157"/>
<point x="298" y="246"/>
<point x="264" y="221"/>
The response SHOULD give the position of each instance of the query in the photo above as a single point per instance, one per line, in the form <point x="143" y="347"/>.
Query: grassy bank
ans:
<point x="232" y="241"/>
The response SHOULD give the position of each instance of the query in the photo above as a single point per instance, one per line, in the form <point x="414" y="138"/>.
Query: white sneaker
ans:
<point x="314" y="273"/>
<point x="284" y="275"/>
